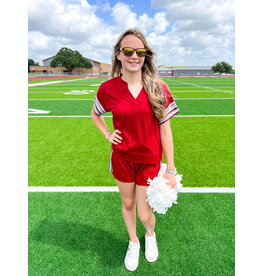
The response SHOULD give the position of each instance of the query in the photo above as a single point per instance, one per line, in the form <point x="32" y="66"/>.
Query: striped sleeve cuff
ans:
<point x="171" y="111"/>
<point x="99" y="110"/>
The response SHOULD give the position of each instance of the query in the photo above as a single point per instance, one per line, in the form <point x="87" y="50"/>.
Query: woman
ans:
<point x="141" y="105"/>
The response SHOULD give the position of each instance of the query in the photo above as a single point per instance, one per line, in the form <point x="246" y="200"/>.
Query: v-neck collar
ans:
<point x="126" y="84"/>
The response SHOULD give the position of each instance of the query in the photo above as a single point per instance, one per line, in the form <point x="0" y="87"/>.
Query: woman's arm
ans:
<point x="100" y="123"/>
<point x="167" y="144"/>
<point x="168" y="149"/>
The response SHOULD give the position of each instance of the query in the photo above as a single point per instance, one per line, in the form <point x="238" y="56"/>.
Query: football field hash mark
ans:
<point x="37" y="111"/>
<point x="79" y="92"/>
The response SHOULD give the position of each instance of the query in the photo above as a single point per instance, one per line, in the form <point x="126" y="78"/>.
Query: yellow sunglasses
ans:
<point x="128" y="51"/>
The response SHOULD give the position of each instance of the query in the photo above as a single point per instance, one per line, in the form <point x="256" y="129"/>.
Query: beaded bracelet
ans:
<point x="171" y="171"/>
<point x="108" y="135"/>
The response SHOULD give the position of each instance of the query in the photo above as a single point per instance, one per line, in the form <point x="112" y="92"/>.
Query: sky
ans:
<point x="182" y="33"/>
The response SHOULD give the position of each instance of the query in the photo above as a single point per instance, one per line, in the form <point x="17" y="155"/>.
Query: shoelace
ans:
<point x="151" y="243"/>
<point x="133" y="251"/>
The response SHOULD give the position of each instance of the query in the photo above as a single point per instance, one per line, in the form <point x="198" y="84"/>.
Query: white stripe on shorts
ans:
<point x="110" y="162"/>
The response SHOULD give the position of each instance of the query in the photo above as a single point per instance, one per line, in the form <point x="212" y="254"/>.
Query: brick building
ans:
<point x="45" y="68"/>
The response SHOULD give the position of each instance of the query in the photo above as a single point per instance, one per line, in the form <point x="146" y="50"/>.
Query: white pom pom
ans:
<point x="161" y="196"/>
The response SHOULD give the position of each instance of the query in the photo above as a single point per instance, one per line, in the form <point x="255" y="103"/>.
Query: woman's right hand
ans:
<point x="114" y="138"/>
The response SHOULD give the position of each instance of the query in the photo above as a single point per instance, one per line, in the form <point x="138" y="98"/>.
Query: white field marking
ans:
<point x="79" y="92"/>
<point x="97" y="84"/>
<point x="181" y="99"/>
<point x="177" y="116"/>
<point x="191" y="91"/>
<point x="115" y="189"/>
<point x="177" y="99"/>
<point x="60" y="100"/>
<point x="204" y="116"/>
<point x="58" y="92"/>
<point x="207" y="87"/>
<point x="37" y="111"/>
<point x="50" y="82"/>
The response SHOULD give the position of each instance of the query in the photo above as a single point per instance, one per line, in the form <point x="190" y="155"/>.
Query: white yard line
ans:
<point x="207" y="87"/>
<point x="115" y="189"/>
<point x="229" y="91"/>
<point x="50" y="82"/>
<point x="63" y="99"/>
<point x="62" y="92"/>
<point x="177" y="99"/>
<point x="177" y="116"/>
<point x="58" y="92"/>
<point x="181" y="99"/>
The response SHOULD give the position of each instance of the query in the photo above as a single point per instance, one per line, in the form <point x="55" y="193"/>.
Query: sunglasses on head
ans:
<point x="128" y="51"/>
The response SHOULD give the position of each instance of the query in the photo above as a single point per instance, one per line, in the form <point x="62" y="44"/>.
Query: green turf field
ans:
<point x="72" y="152"/>
<point x="73" y="234"/>
<point x="66" y="149"/>
<point x="78" y="233"/>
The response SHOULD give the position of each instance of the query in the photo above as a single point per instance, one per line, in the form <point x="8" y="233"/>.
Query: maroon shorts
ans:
<point x="128" y="171"/>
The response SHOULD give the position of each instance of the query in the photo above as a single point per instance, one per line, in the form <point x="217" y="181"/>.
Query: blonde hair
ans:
<point x="152" y="84"/>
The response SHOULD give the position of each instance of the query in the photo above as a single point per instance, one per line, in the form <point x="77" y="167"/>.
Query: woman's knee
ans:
<point x="145" y="216"/>
<point x="129" y="204"/>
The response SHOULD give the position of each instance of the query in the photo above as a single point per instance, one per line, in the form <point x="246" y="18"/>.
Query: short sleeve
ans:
<point x="171" y="108"/>
<point x="101" y="101"/>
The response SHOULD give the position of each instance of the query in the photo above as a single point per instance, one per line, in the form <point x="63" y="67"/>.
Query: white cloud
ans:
<point x="125" y="18"/>
<point x="201" y="32"/>
<point x="202" y="15"/>
<point x="73" y="23"/>
<point x="203" y="26"/>
<point x="75" y="20"/>
<point x="160" y="22"/>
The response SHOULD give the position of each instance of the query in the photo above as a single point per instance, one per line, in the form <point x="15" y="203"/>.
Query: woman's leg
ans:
<point x="127" y="192"/>
<point x="145" y="213"/>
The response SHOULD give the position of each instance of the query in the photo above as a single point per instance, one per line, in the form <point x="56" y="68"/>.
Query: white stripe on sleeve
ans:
<point x="99" y="110"/>
<point x="171" y="111"/>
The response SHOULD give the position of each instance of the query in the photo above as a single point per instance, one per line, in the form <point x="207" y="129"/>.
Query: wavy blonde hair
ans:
<point x="152" y="84"/>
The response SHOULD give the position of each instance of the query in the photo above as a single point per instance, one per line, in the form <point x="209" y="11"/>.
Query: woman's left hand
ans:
<point x="171" y="178"/>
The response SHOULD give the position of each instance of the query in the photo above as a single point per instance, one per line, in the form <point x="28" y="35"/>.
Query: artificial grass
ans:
<point x="189" y="84"/>
<point x="92" y="92"/>
<point x="84" y="234"/>
<point x="72" y="152"/>
<point x="186" y="107"/>
<point x="209" y="94"/>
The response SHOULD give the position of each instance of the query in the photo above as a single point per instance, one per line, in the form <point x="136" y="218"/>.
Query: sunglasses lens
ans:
<point x="141" y="52"/>
<point x="128" y="52"/>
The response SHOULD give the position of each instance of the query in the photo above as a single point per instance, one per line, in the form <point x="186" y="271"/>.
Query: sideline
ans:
<point x="81" y="116"/>
<point x="115" y="189"/>
<point x="177" y="99"/>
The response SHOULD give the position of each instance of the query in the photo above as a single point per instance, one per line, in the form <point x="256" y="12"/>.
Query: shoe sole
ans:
<point x="151" y="261"/>
<point x="130" y="270"/>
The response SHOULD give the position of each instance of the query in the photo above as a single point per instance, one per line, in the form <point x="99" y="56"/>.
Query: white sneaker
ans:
<point x="151" y="249"/>
<point x="132" y="256"/>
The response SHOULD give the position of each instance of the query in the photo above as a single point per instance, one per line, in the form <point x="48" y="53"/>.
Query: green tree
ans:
<point x="31" y="63"/>
<point x="222" y="67"/>
<point x="70" y="59"/>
